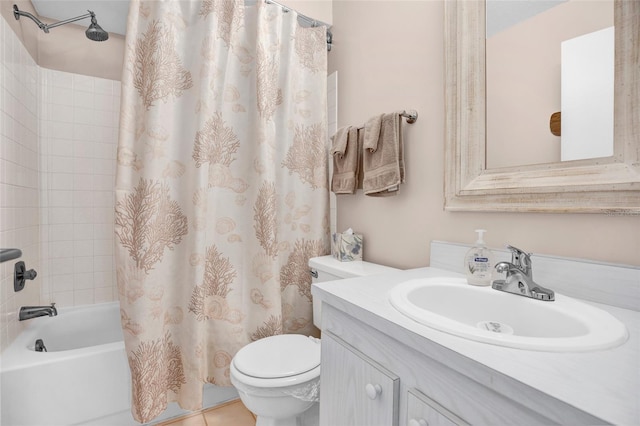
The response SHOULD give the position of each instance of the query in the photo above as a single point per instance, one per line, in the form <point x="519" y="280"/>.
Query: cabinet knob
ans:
<point x="373" y="390"/>
<point x="418" y="422"/>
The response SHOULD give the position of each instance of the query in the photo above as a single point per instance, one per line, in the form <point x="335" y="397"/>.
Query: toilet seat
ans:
<point x="279" y="356"/>
<point x="278" y="361"/>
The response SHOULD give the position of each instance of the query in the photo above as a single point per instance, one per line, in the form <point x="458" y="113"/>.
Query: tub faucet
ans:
<point x="28" y="312"/>
<point x="519" y="277"/>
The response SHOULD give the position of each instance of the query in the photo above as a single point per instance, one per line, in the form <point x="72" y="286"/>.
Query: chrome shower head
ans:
<point x="95" y="31"/>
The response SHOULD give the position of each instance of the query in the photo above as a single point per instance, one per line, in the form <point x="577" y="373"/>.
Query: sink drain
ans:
<point x="495" y="327"/>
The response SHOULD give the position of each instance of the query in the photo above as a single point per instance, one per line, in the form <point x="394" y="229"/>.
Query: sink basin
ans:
<point x="491" y="316"/>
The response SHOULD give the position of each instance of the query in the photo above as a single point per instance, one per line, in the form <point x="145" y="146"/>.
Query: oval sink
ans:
<point x="491" y="316"/>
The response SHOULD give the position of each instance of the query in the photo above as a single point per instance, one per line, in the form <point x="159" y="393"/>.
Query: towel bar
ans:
<point x="411" y="116"/>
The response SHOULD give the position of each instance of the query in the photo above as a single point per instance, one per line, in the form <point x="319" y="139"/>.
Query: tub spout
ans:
<point x="28" y="312"/>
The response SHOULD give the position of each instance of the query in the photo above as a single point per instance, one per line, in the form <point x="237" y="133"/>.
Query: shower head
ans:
<point x="94" y="32"/>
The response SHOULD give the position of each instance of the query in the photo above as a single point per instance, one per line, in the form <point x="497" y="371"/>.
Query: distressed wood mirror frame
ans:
<point x="603" y="185"/>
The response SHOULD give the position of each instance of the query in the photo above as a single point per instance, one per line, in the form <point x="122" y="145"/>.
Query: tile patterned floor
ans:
<point x="232" y="413"/>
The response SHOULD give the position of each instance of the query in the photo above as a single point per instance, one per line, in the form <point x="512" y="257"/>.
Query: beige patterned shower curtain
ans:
<point x="221" y="192"/>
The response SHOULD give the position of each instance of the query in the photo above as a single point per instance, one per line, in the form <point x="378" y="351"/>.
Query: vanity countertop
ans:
<point x="605" y="383"/>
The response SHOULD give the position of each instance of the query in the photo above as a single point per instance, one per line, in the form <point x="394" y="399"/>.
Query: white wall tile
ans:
<point x="83" y="231"/>
<point x="104" y="294"/>
<point x="62" y="298"/>
<point x="83" y="149"/>
<point x="61" y="215"/>
<point x="61" y="232"/>
<point x="82" y="99"/>
<point x="82" y="215"/>
<point x="83" y="83"/>
<point x="83" y="248"/>
<point x="60" y="113"/>
<point x="58" y="198"/>
<point x="83" y="199"/>
<point x="83" y="281"/>
<point x="60" y="249"/>
<point x="83" y="182"/>
<point x="61" y="181"/>
<point x="83" y="297"/>
<point x="103" y="247"/>
<point x="60" y="147"/>
<point x="83" y="265"/>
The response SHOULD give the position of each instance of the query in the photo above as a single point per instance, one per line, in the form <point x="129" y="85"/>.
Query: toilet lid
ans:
<point x="278" y="356"/>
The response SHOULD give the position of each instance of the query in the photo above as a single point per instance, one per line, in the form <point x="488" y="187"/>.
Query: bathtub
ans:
<point x="84" y="377"/>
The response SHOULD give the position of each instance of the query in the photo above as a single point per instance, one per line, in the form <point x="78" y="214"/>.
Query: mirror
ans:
<point x="544" y="58"/>
<point x="599" y="185"/>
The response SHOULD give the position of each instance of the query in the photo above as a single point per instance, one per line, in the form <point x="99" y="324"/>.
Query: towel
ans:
<point x="383" y="156"/>
<point x="345" y="154"/>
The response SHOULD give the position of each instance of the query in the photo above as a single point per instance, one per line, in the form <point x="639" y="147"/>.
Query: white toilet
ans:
<point x="278" y="377"/>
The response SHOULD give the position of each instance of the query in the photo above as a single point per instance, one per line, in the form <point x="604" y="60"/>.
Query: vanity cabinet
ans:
<point x="373" y="374"/>
<point x="361" y="391"/>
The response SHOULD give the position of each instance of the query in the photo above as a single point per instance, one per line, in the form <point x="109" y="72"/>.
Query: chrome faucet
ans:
<point x="519" y="277"/>
<point x="28" y="312"/>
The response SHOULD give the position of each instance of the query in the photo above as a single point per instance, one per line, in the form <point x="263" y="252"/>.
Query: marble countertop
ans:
<point x="605" y="383"/>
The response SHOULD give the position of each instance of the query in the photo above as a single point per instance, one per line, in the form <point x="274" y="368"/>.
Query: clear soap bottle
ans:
<point x="479" y="262"/>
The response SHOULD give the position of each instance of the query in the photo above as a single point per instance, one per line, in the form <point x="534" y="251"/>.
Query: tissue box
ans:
<point x="347" y="247"/>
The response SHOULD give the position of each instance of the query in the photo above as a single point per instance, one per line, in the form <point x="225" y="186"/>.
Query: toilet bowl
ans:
<point x="278" y="377"/>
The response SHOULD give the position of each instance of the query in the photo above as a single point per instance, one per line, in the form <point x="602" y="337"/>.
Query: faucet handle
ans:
<point x="520" y="258"/>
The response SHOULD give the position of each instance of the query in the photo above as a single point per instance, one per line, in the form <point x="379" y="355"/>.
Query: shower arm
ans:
<point x="46" y="27"/>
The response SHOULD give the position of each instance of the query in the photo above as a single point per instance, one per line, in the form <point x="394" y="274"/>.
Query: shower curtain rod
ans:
<point x="314" y="22"/>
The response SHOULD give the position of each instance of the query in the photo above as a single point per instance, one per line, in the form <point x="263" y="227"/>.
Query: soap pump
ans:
<point x="479" y="262"/>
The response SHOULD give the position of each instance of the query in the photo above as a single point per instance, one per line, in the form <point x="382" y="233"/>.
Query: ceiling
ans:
<point x="111" y="14"/>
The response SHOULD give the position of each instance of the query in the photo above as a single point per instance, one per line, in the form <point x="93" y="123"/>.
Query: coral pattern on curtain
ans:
<point x="221" y="189"/>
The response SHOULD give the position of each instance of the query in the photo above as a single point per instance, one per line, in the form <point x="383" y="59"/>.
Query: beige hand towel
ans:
<point x="383" y="156"/>
<point x="372" y="132"/>
<point x="345" y="154"/>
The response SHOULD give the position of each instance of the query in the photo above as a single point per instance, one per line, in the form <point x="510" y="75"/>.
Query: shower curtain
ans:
<point x="221" y="189"/>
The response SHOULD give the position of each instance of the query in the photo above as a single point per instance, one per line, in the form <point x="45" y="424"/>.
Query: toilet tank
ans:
<point x="328" y="268"/>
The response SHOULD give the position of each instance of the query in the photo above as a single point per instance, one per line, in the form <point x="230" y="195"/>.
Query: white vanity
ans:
<point x="380" y="367"/>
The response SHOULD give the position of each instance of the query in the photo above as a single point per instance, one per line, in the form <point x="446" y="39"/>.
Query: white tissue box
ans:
<point x="346" y="247"/>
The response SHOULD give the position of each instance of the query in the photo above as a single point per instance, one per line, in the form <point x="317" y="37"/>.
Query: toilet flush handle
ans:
<point x="373" y="390"/>
<point x="313" y="273"/>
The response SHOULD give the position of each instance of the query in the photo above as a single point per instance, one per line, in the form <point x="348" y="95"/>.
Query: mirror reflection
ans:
<point x="549" y="81"/>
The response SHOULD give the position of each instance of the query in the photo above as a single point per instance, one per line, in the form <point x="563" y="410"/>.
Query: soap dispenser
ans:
<point x="479" y="262"/>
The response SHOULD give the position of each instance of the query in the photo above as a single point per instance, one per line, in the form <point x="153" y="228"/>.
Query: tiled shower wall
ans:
<point x="78" y="140"/>
<point x="59" y="136"/>
<point x="19" y="182"/>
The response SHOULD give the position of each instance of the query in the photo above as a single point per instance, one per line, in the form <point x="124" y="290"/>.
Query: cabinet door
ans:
<point x="424" y="411"/>
<point x="354" y="389"/>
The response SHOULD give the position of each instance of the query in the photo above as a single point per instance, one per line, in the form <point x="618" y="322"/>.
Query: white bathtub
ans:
<point x="83" y="378"/>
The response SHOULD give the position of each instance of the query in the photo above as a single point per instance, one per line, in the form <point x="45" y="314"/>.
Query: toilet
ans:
<point x="278" y="377"/>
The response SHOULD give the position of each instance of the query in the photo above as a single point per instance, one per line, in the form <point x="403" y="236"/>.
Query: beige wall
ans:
<point x="523" y="81"/>
<point x="390" y="56"/>
<point x="317" y="9"/>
